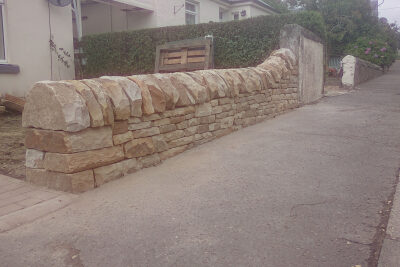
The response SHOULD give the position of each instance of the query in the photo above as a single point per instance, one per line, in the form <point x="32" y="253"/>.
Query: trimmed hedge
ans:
<point x="237" y="43"/>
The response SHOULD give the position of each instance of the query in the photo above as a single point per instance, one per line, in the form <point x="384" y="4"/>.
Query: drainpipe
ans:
<point x="78" y="17"/>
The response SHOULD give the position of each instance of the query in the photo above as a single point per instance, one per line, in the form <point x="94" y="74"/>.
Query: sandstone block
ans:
<point x="214" y="102"/>
<point x="122" y="138"/>
<point x="152" y="117"/>
<point x="191" y="131"/>
<point x="213" y="83"/>
<point x="139" y="147"/>
<point x="133" y="92"/>
<point x="34" y="159"/>
<point x="139" y="126"/>
<point x="65" y="142"/>
<point x="74" y="183"/>
<point x="207" y="120"/>
<point x="214" y="126"/>
<point x="172" y="152"/>
<point x="233" y="80"/>
<point x="121" y="104"/>
<point x="176" y="120"/>
<point x="95" y="112"/>
<point x="120" y="127"/>
<point x="167" y="128"/>
<point x="181" y="141"/>
<point x="147" y="102"/>
<point x="170" y="92"/>
<point x="162" y="122"/>
<point x="179" y="111"/>
<point x="146" y="132"/>
<point x="227" y="122"/>
<point x="202" y="128"/>
<point x="55" y="106"/>
<point x="103" y="100"/>
<point x="76" y="162"/>
<point x="158" y="98"/>
<point x="187" y="96"/>
<point x="203" y="110"/>
<point x="159" y="143"/>
<point x="173" y="135"/>
<point x="134" y="120"/>
<point x="193" y="122"/>
<point x="114" y="171"/>
<point x="149" y="161"/>
<point x="182" y="125"/>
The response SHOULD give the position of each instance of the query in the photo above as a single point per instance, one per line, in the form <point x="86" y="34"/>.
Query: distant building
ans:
<point x="374" y="8"/>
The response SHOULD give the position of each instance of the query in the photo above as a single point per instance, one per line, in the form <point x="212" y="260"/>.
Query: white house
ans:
<point x="26" y="28"/>
<point x="37" y="36"/>
<point x="99" y="16"/>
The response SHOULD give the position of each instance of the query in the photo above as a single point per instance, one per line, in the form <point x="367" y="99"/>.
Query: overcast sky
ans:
<point x="390" y="10"/>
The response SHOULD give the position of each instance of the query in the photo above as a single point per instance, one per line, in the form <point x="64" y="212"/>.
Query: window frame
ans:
<point x="195" y="13"/>
<point x="2" y="4"/>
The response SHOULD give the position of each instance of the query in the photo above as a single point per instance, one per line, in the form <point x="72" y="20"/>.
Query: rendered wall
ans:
<point x="82" y="134"/>
<point x="27" y="44"/>
<point x="309" y="51"/>
<point x="356" y="71"/>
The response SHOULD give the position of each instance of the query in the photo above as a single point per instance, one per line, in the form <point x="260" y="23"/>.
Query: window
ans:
<point x="236" y="16"/>
<point x="2" y="41"/>
<point x="192" y="12"/>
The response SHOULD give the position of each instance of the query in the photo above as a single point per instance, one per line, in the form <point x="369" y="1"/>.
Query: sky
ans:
<point x="390" y="9"/>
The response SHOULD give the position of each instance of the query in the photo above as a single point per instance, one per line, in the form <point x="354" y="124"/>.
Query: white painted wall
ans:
<point x="99" y="18"/>
<point x="349" y="68"/>
<point x="27" y="41"/>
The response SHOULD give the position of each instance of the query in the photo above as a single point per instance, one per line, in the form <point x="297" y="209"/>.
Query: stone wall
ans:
<point x="82" y="134"/>
<point x="356" y="71"/>
<point x="309" y="51"/>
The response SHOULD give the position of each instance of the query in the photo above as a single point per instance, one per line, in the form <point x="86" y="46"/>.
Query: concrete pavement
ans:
<point x="308" y="188"/>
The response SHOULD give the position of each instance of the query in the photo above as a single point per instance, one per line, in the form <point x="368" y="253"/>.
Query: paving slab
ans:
<point x="22" y="203"/>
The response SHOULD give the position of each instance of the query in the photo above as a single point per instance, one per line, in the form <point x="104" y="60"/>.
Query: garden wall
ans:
<point x="356" y="71"/>
<point x="82" y="134"/>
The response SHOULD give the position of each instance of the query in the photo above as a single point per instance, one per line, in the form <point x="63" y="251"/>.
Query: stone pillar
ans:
<point x="309" y="51"/>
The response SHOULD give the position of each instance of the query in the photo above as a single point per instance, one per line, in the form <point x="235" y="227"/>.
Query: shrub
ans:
<point x="376" y="51"/>
<point x="237" y="43"/>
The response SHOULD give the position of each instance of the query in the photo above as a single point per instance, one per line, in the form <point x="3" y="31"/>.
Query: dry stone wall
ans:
<point x="83" y="134"/>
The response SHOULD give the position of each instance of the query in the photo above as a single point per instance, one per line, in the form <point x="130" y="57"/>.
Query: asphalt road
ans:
<point x="305" y="189"/>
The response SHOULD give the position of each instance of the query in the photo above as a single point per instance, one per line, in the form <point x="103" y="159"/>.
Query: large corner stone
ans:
<point x="73" y="183"/>
<point x="65" y="142"/>
<point x="55" y="106"/>
<point x="76" y="162"/>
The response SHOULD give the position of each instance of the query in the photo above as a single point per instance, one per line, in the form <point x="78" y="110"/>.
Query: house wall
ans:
<point x="27" y="43"/>
<point x="99" y="18"/>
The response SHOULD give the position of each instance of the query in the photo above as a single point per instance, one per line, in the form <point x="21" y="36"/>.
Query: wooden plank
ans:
<point x="197" y="52"/>
<point x="184" y="58"/>
<point x="196" y="59"/>
<point x="173" y="61"/>
<point x="180" y="67"/>
<point x="173" y="54"/>
<point x="13" y="103"/>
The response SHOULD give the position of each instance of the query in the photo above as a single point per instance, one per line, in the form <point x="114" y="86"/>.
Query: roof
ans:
<point x="258" y="2"/>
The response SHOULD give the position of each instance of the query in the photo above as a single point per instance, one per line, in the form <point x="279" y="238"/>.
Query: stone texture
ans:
<point x="34" y="159"/>
<point x="138" y="126"/>
<point x="96" y="115"/>
<point x="55" y="106"/>
<point x="159" y="143"/>
<point x="139" y="147"/>
<point x="147" y="102"/>
<point x="185" y="96"/>
<point x="215" y="85"/>
<point x="252" y="81"/>
<point x="65" y="142"/>
<point x="122" y="138"/>
<point x="181" y="141"/>
<point x="146" y="132"/>
<point x="203" y="110"/>
<point x="76" y="162"/>
<point x="103" y="100"/>
<point x="120" y="127"/>
<point x="74" y="183"/>
<point x="149" y="161"/>
<point x="174" y="135"/>
<point x="287" y="55"/>
<point x="121" y="104"/>
<point x="233" y="80"/>
<point x="158" y="98"/>
<point x="114" y="171"/>
<point x="171" y="93"/>
<point x="173" y="152"/>
<point x="132" y="91"/>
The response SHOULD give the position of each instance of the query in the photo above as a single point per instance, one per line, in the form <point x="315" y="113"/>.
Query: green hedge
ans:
<point x="237" y="43"/>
